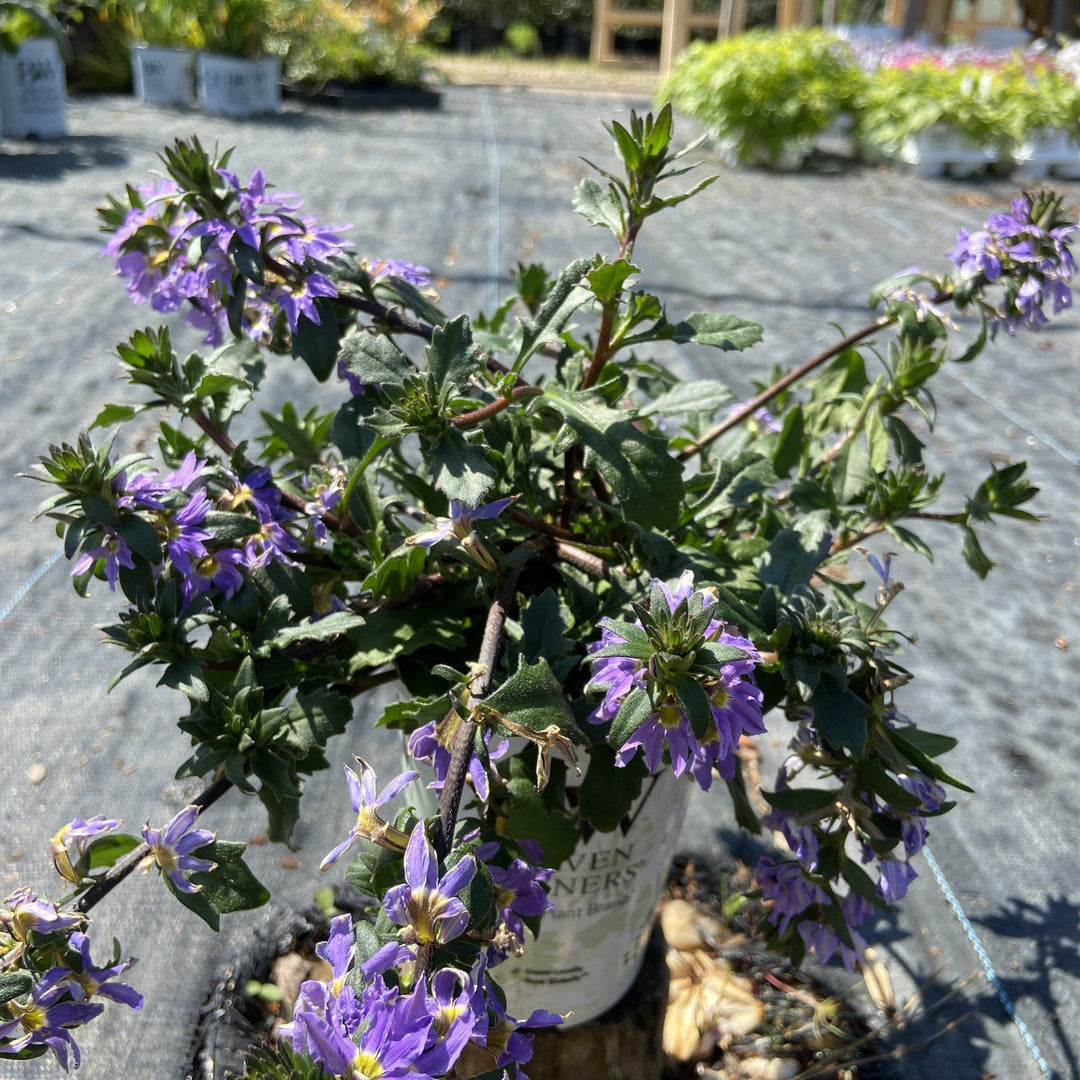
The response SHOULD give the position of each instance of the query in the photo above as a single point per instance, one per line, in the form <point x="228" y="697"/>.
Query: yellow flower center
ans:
<point x="365" y="1066"/>
<point x="165" y="857"/>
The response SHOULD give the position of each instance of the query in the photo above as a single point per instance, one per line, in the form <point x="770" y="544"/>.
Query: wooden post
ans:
<point x="675" y="32"/>
<point x="732" y="18"/>
<point x="603" y="33"/>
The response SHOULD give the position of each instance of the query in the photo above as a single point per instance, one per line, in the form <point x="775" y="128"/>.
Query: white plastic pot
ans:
<point x="233" y="86"/>
<point x="591" y="947"/>
<point x="33" y="91"/>
<point x="941" y="149"/>
<point x="1051" y="150"/>
<point x="163" y="76"/>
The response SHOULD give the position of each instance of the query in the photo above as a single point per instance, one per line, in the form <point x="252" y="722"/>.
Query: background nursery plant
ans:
<point x="550" y="541"/>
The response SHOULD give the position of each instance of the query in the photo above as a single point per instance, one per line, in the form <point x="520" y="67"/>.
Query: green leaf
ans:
<point x="796" y="552"/>
<point x="721" y="331"/>
<point x="186" y="675"/>
<point x="802" y="800"/>
<point x="840" y="715"/>
<point x="108" y="850"/>
<point x="452" y="356"/>
<point x="740" y="800"/>
<point x="789" y="447"/>
<point x="609" y="279"/>
<point x="885" y="786"/>
<point x="926" y="764"/>
<point x="735" y="483"/>
<point x="317" y="343"/>
<point x="635" y="709"/>
<point x="877" y="441"/>
<point x="375" y="360"/>
<point x="929" y="743"/>
<point x="695" y="703"/>
<point x="608" y="790"/>
<point x="646" y="479"/>
<point x="974" y="555"/>
<point x="231" y="886"/>
<point x="459" y="469"/>
<point x="14" y="984"/>
<point x="141" y="537"/>
<point x="330" y="626"/>
<point x="703" y="395"/>
<point x="395" y="575"/>
<point x="115" y="414"/>
<point x="563" y="299"/>
<point x="545" y="622"/>
<point x="247" y="260"/>
<point x="600" y="206"/>
<point x="534" y="698"/>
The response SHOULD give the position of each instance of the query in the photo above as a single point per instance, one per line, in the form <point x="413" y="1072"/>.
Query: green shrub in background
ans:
<point x="761" y="91"/>
<point x="322" y="41"/>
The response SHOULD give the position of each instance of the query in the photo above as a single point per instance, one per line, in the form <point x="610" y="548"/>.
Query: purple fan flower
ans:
<point x="460" y="526"/>
<point x="510" y="1040"/>
<point x="24" y="912"/>
<point x="258" y="489"/>
<point x="385" y="1049"/>
<point x="432" y="745"/>
<point x="518" y="889"/>
<point x="822" y="939"/>
<point x="896" y="876"/>
<point x="184" y="540"/>
<point x="420" y="276"/>
<point x="69" y="844"/>
<point x="220" y="569"/>
<point x="299" y="298"/>
<point x="92" y="980"/>
<point x="790" y="890"/>
<point x="114" y="550"/>
<point x="171" y="847"/>
<point x="45" y="1018"/>
<point x="426" y="907"/>
<point x="366" y="802"/>
<point x="734" y="702"/>
<point x="271" y="543"/>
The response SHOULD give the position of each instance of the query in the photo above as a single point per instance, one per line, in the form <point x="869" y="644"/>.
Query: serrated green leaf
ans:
<point x="452" y="357"/>
<point x="796" y="552"/>
<point x="718" y="330"/>
<point x="375" y="360"/>
<point x="334" y="625"/>
<point x="600" y="206"/>
<point x="231" y="886"/>
<point x="459" y="469"/>
<point x="534" y="698"/>
<point x="564" y="297"/>
<point x="115" y="414"/>
<point x="14" y="984"/>
<point x="703" y="395"/>
<point x="609" y="279"/>
<point x="642" y="473"/>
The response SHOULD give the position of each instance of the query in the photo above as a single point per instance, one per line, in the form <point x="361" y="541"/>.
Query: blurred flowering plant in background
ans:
<point x="578" y="569"/>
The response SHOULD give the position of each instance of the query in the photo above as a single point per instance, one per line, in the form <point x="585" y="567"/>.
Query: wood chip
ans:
<point x="36" y="773"/>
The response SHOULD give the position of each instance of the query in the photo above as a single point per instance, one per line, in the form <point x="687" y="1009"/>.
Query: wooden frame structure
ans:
<point x="678" y="20"/>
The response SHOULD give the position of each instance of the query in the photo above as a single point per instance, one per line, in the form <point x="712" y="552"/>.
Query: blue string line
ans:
<point x="28" y="584"/>
<point x="984" y="959"/>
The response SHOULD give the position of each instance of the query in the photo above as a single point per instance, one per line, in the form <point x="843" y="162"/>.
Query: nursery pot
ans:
<point x="592" y="945"/>
<point x="233" y="86"/>
<point x="163" y="76"/>
<point x="33" y="91"/>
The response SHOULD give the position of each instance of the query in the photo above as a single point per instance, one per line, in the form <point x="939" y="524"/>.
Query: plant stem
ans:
<point x="782" y="384"/>
<point x="472" y="419"/>
<point x="115" y="874"/>
<point x="454" y="784"/>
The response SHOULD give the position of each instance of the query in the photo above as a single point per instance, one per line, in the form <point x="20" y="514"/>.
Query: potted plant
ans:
<point x="33" y="87"/>
<point x="163" y="37"/>
<point x="934" y="118"/>
<point x="234" y="76"/>
<point x="763" y="96"/>
<point x="1043" y="108"/>
<point x="589" y="580"/>
<point x="347" y="55"/>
